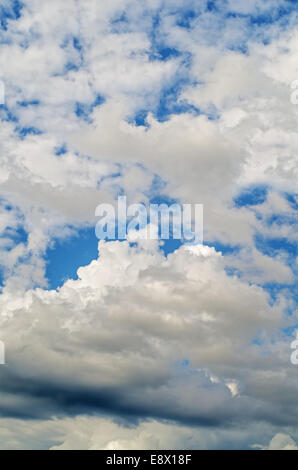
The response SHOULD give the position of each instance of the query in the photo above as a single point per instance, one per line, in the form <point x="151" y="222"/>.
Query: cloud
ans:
<point x="280" y="442"/>
<point x="199" y="338"/>
<point x="116" y="339"/>
<point x="101" y="433"/>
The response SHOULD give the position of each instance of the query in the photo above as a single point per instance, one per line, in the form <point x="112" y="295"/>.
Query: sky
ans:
<point x="140" y="344"/>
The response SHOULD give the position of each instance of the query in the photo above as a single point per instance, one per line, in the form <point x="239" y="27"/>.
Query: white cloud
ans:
<point x="100" y="433"/>
<point x="119" y="338"/>
<point x="280" y="442"/>
<point x="125" y="326"/>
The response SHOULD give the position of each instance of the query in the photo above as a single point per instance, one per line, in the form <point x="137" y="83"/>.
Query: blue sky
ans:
<point x="163" y="102"/>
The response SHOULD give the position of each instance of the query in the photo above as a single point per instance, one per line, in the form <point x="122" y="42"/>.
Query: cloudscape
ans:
<point x="144" y="341"/>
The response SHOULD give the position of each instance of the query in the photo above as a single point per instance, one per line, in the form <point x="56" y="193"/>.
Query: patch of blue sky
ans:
<point x="292" y="199"/>
<point x="73" y="41"/>
<point x="281" y="248"/>
<point x="258" y="196"/>
<point x="251" y="196"/>
<point x="65" y="256"/>
<point x="163" y="52"/>
<point x="259" y="23"/>
<point x="273" y="289"/>
<point x="188" y="14"/>
<point x="211" y="5"/>
<point x="290" y="331"/>
<point x="233" y="272"/>
<point x="77" y="44"/>
<point x="15" y="236"/>
<point x="170" y="245"/>
<point x="239" y="47"/>
<point x="139" y="118"/>
<point x="26" y="103"/>
<point x="119" y="23"/>
<point x="281" y="219"/>
<point x="225" y="249"/>
<point x="156" y="196"/>
<point x="277" y="246"/>
<point x="2" y="279"/>
<point x="6" y="115"/>
<point x="163" y="199"/>
<point x="118" y="191"/>
<point x="169" y="104"/>
<point x="159" y="48"/>
<point x="84" y="110"/>
<point x="4" y="204"/>
<point x="185" y="362"/>
<point x="61" y="150"/>
<point x="280" y="13"/>
<point x="167" y="245"/>
<point x="72" y="66"/>
<point x="24" y="131"/>
<point x="185" y="18"/>
<point x="287" y="250"/>
<point x="157" y="187"/>
<point x="10" y="237"/>
<point x="10" y="11"/>
<point x="183" y="367"/>
<point x="76" y="53"/>
<point x="290" y="291"/>
<point x="257" y="341"/>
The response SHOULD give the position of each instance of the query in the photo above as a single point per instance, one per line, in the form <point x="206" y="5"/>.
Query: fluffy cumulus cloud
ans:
<point x="143" y="348"/>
